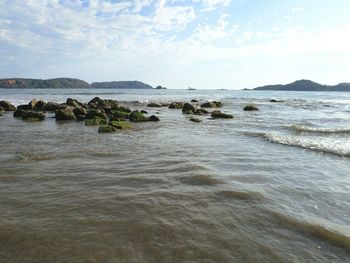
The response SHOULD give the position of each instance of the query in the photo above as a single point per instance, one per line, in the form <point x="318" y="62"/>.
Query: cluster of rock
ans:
<point x="109" y="114"/>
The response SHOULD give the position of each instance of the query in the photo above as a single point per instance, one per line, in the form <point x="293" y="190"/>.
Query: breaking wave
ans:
<point x="303" y="128"/>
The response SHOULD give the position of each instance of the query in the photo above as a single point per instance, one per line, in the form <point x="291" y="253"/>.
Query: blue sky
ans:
<point x="204" y="44"/>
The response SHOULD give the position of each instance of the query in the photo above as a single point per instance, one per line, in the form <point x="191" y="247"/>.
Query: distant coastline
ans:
<point x="307" y="85"/>
<point x="68" y="83"/>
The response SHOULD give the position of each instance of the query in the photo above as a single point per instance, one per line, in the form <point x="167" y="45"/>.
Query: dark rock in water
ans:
<point x="176" y="105"/>
<point x="94" y="113"/>
<point x="33" y="116"/>
<point x="7" y="106"/>
<point x="95" y="122"/>
<point x="201" y="112"/>
<point x="112" y="104"/>
<point x="154" y="105"/>
<point x="18" y="113"/>
<point x="194" y="100"/>
<point x="144" y="112"/>
<point x="24" y="107"/>
<point x="107" y="129"/>
<point x="39" y="106"/>
<point x="79" y="111"/>
<point x="137" y="116"/>
<point x="53" y="106"/>
<point x="273" y="100"/>
<point x="124" y="108"/>
<point x="74" y="102"/>
<point x="119" y="115"/>
<point x="121" y="125"/>
<point x="32" y="104"/>
<point x="195" y="120"/>
<point x="188" y="108"/>
<point x="221" y="115"/>
<point x="99" y="103"/>
<point x="153" y="118"/>
<point x="212" y="104"/>
<point x="80" y="117"/>
<point x="66" y="114"/>
<point x="250" y="108"/>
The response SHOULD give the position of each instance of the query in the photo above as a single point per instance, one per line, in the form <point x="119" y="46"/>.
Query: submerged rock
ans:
<point x="195" y="119"/>
<point x="153" y="118"/>
<point x="194" y="101"/>
<point x="137" y="116"/>
<point x="7" y="106"/>
<point x="94" y="113"/>
<point x="95" y="122"/>
<point x="66" y="114"/>
<point x="33" y="116"/>
<point x="221" y="115"/>
<point x="53" y="106"/>
<point x="107" y="129"/>
<point x="188" y="108"/>
<point x="154" y="105"/>
<point x="212" y="104"/>
<point x="273" y="100"/>
<point x="250" y="108"/>
<point x="18" y="113"/>
<point x="121" y="125"/>
<point x="176" y="105"/>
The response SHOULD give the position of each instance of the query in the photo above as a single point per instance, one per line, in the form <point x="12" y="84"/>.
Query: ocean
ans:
<point x="266" y="186"/>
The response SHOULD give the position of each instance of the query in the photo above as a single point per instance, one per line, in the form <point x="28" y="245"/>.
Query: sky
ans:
<point x="203" y="44"/>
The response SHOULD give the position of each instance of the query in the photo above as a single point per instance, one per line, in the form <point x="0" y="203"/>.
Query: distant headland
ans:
<point x="68" y="83"/>
<point x="306" y="85"/>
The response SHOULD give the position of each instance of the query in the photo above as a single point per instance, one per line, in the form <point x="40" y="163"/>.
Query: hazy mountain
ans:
<point x="306" y="85"/>
<point x="121" y="85"/>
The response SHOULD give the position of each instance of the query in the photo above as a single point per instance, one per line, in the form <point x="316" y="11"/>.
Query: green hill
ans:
<point x="306" y="85"/>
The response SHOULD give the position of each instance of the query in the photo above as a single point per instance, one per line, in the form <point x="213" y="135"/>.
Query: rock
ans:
<point x="32" y="104"/>
<point x="221" y="115"/>
<point x="154" y="105"/>
<point x="66" y="114"/>
<point x="92" y="114"/>
<point x="121" y="125"/>
<point x="98" y="103"/>
<point x="33" y="116"/>
<point x="40" y="105"/>
<point x="250" y="108"/>
<point x="79" y="111"/>
<point x="201" y="112"/>
<point x="95" y="122"/>
<point x="119" y="115"/>
<point x="107" y="129"/>
<point x="194" y="100"/>
<point x="53" y="106"/>
<point x="176" y="105"/>
<point x="188" y="108"/>
<point x="18" y="113"/>
<point x="195" y="119"/>
<point x="112" y="104"/>
<point x="212" y="104"/>
<point x="273" y="100"/>
<point x="153" y="118"/>
<point x="7" y="106"/>
<point x="74" y="102"/>
<point x="137" y="116"/>
<point x="124" y="108"/>
<point x="24" y="107"/>
<point x="144" y="112"/>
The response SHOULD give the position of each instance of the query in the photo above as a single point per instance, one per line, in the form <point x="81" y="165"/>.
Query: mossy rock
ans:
<point x="117" y="114"/>
<point x="107" y="129"/>
<point x="221" y="115"/>
<point x="121" y="125"/>
<point x="195" y="119"/>
<point x="66" y="114"/>
<point x="137" y="116"/>
<point x="95" y="122"/>
<point x="250" y="108"/>
<point x="33" y="116"/>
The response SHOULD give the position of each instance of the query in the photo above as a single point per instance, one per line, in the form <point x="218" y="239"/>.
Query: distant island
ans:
<point x="68" y="83"/>
<point x="306" y="85"/>
<point x="160" y="87"/>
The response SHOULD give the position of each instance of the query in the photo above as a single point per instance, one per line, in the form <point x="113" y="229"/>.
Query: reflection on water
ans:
<point x="176" y="191"/>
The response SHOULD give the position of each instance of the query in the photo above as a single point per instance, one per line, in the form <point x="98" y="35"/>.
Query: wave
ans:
<point x="303" y="128"/>
<point x="326" y="146"/>
<point x="201" y="180"/>
<point x="322" y="229"/>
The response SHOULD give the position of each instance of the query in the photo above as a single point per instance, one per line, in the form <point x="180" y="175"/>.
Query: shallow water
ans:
<point x="267" y="186"/>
